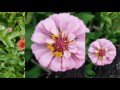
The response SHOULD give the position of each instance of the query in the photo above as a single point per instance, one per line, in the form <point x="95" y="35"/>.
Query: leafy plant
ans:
<point x="89" y="72"/>
<point x="110" y="26"/>
<point x="12" y="61"/>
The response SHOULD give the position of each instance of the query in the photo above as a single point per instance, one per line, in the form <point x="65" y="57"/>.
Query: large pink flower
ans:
<point x="102" y="52"/>
<point x="59" y="42"/>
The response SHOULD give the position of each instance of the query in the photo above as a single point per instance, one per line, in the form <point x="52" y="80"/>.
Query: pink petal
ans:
<point x="41" y="29"/>
<point x="64" y="34"/>
<point x="81" y="38"/>
<point x="55" y="64"/>
<point x="81" y="31"/>
<point x="73" y="25"/>
<point x="55" y="31"/>
<point x="71" y="37"/>
<point x="99" y="62"/>
<point x="83" y="26"/>
<point x="111" y="57"/>
<point x="72" y="45"/>
<point x="110" y="61"/>
<point x="63" y="69"/>
<point x="49" y="24"/>
<point x="63" y="20"/>
<point x="112" y="48"/>
<point x="38" y="50"/>
<point x="87" y="30"/>
<point x="93" y="57"/>
<point x="35" y="47"/>
<point x="92" y="50"/>
<point x="112" y="52"/>
<point x="50" y="41"/>
<point x="45" y="59"/>
<point x="72" y="50"/>
<point x="78" y="62"/>
<point x="55" y="17"/>
<point x="95" y="45"/>
<point x="65" y="63"/>
<point x="71" y="64"/>
<point x="81" y="51"/>
<point x="39" y="38"/>
<point x="106" y="61"/>
<point x="80" y="44"/>
<point x="67" y="54"/>
<point x="103" y="43"/>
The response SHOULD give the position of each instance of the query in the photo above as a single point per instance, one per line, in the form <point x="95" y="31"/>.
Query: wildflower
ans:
<point x="21" y="44"/>
<point x="102" y="52"/>
<point x="59" y="42"/>
<point x="9" y="29"/>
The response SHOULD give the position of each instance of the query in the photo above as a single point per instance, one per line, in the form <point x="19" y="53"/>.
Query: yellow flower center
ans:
<point x="59" y="46"/>
<point x="101" y="53"/>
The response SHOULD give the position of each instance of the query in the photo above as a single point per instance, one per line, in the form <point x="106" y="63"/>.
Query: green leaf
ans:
<point x="89" y="66"/>
<point x="28" y="54"/>
<point x="113" y="40"/>
<point x="9" y="42"/>
<point x="14" y="34"/>
<point x="29" y="30"/>
<point x="29" y="17"/>
<point x="22" y="26"/>
<point x="117" y="32"/>
<point x="35" y="72"/>
<point x="86" y="17"/>
<point x="90" y="72"/>
<point x="94" y="35"/>
<point x="2" y="27"/>
<point x="2" y="51"/>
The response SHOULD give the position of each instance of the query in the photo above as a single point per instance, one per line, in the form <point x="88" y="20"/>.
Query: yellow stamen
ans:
<point x="98" y="49"/>
<point x="97" y="54"/>
<point x="72" y="41"/>
<point x="60" y="33"/>
<point x="53" y="36"/>
<point x="58" y="54"/>
<point x="100" y="57"/>
<point x="50" y="47"/>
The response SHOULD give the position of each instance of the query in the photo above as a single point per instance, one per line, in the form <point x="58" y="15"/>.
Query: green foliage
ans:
<point x="109" y="29"/>
<point x="110" y="26"/>
<point x="89" y="72"/>
<point x="12" y="61"/>
<point x="86" y="17"/>
<point x="34" y="72"/>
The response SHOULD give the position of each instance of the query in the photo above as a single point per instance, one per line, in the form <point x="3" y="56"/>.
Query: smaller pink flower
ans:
<point x="102" y="52"/>
<point x="9" y="29"/>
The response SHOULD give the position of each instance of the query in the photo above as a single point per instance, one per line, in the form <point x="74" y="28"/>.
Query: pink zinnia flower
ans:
<point x="102" y="52"/>
<point x="59" y="42"/>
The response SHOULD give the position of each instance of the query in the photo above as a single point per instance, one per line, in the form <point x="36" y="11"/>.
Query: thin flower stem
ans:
<point x="48" y="71"/>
